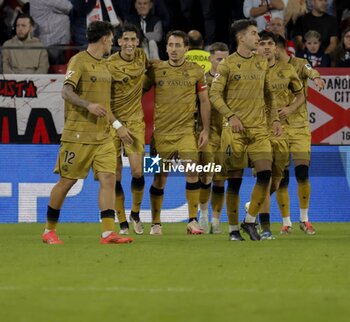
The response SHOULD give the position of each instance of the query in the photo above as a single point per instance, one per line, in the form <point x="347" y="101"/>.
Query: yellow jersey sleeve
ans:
<point x="74" y="72"/>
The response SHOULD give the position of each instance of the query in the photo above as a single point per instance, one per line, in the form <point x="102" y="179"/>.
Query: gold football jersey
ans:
<point x="304" y="70"/>
<point x="284" y="84"/>
<point x="215" y="116"/>
<point x="127" y="84"/>
<point x="239" y="88"/>
<point x="91" y="80"/>
<point x="175" y="100"/>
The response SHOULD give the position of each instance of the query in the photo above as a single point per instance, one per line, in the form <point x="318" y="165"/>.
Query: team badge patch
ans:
<point x="69" y="74"/>
<point x="280" y="74"/>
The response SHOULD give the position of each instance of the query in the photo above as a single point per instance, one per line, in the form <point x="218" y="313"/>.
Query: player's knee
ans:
<point x="234" y="184"/>
<point x="159" y="181"/>
<point x="204" y="185"/>
<point x="302" y="173"/>
<point x="136" y="172"/>
<point x="285" y="180"/>
<point x="138" y="183"/>
<point x="66" y="184"/>
<point x="263" y="177"/>
<point x="107" y="179"/>
<point x="206" y="179"/>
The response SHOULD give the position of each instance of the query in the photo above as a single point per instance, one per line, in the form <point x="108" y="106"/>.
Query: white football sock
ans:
<point x="286" y="221"/>
<point x="304" y="214"/>
<point x="233" y="228"/>
<point x="106" y="233"/>
<point x="249" y="218"/>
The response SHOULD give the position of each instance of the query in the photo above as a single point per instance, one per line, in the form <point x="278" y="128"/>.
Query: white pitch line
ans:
<point x="172" y="290"/>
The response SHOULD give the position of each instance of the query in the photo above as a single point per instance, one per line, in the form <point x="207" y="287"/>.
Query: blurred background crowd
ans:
<point x="39" y="36"/>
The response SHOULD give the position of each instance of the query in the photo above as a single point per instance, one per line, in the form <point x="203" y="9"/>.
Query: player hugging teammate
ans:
<point x="256" y="113"/>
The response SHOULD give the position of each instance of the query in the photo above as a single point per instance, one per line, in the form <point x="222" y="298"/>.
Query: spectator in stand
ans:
<point x="150" y="25"/>
<point x="277" y="27"/>
<point x="52" y="19"/>
<point x="330" y="7"/>
<point x="26" y="59"/>
<point x="160" y="8"/>
<point x="262" y="11"/>
<point x="206" y="7"/>
<point x="293" y="10"/>
<point x="86" y="11"/>
<point x="312" y="52"/>
<point x="320" y="21"/>
<point x="196" y="52"/>
<point x="9" y="10"/>
<point x="341" y="56"/>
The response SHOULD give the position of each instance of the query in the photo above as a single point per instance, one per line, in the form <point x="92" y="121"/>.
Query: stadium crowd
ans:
<point x="59" y="27"/>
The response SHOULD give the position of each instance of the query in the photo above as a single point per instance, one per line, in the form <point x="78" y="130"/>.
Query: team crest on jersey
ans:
<point x="239" y="65"/>
<point x="237" y="77"/>
<point x="93" y="79"/>
<point x="258" y="65"/>
<point x="185" y="73"/>
<point x="161" y="83"/>
<point x="280" y="74"/>
<point x="69" y="74"/>
<point x="216" y="77"/>
<point x="93" y="66"/>
<point x="164" y="72"/>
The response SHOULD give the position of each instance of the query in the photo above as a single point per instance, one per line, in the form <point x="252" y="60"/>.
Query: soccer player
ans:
<point x="127" y="67"/>
<point x="211" y="153"/>
<point x="178" y="85"/>
<point x="287" y="92"/>
<point x="237" y="92"/>
<point x="87" y="135"/>
<point x="296" y="125"/>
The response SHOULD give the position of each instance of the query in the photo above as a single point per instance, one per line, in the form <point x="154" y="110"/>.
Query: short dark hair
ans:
<point x="25" y="16"/>
<point x="265" y="35"/>
<point x="241" y="25"/>
<point x="128" y="27"/>
<point x="97" y="29"/>
<point x="280" y="41"/>
<point x="178" y="33"/>
<point x="218" y="46"/>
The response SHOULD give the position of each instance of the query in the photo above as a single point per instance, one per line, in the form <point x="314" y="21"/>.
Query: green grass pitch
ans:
<point x="174" y="277"/>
